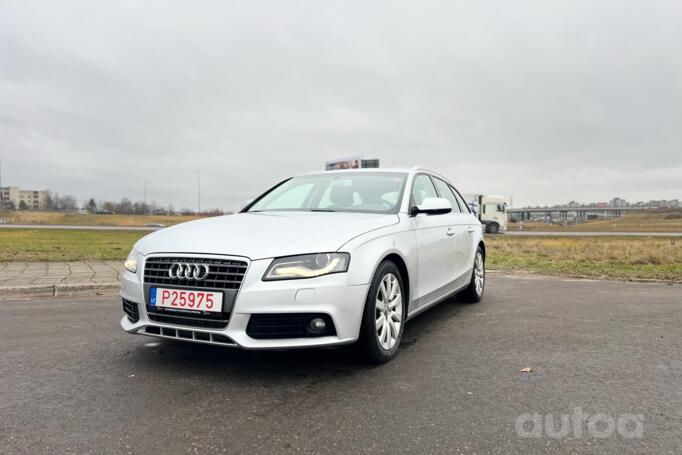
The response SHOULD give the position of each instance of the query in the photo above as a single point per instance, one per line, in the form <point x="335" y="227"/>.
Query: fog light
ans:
<point x="317" y="325"/>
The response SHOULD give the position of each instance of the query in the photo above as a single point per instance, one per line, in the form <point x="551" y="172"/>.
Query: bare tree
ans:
<point x="54" y="201"/>
<point x="49" y="200"/>
<point x="68" y="202"/>
<point x="108" y="206"/>
<point x="125" y="207"/>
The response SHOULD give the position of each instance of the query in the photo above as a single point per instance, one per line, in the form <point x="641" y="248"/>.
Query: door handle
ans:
<point x="471" y="230"/>
<point x="450" y="232"/>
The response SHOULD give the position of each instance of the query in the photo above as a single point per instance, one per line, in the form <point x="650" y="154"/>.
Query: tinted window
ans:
<point x="371" y="192"/>
<point x="291" y="197"/>
<point x="464" y="205"/>
<point x="422" y="188"/>
<point x="326" y="201"/>
<point x="444" y="191"/>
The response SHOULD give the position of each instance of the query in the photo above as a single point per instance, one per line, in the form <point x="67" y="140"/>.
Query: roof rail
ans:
<point x="430" y="171"/>
<point x="419" y="168"/>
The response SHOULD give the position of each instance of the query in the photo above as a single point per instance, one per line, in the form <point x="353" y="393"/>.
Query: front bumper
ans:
<point x="328" y="294"/>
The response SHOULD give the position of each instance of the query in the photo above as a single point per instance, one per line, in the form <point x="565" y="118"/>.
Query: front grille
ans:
<point x="224" y="274"/>
<point x="198" y="322"/>
<point x="289" y="325"/>
<point x="131" y="310"/>
<point x="189" y="335"/>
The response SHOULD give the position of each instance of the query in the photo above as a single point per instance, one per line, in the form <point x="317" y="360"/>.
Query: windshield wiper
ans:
<point x="321" y="210"/>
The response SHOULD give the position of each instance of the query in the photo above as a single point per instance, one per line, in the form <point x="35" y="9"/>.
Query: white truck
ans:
<point x="491" y="210"/>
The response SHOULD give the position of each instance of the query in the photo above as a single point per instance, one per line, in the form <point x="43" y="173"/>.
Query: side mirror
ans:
<point x="432" y="206"/>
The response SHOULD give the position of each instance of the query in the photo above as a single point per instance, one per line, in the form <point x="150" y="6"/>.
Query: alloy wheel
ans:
<point x="479" y="274"/>
<point x="389" y="311"/>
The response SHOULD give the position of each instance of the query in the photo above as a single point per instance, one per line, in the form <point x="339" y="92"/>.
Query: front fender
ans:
<point x="370" y="249"/>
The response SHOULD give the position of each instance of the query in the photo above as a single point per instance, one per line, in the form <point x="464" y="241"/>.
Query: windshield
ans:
<point x="375" y="192"/>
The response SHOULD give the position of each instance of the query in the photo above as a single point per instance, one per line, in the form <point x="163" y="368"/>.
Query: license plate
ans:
<point x="182" y="299"/>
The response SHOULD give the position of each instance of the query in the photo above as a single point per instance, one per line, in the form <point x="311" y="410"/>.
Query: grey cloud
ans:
<point x="547" y="101"/>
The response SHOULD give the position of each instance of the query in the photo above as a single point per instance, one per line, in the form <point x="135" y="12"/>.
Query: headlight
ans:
<point x="131" y="262"/>
<point x="307" y="266"/>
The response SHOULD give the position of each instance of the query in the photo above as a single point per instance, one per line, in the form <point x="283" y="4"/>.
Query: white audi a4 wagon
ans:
<point x="319" y="260"/>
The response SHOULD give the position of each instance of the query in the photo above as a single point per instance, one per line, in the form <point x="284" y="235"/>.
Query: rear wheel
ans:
<point x="493" y="228"/>
<point x="474" y="292"/>
<point x="384" y="315"/>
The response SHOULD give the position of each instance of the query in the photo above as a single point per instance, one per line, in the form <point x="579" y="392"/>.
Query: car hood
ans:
<point x="264" y="234"/>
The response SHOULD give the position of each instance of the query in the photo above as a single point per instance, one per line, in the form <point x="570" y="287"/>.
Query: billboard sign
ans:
<point x="356" y="162"/>
<point x="345" y="163"/>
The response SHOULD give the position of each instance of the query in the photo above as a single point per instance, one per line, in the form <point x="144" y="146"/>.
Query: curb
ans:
<point x="58" y="289"/>
<point x="113" y="287"/>
<point x="520" y="273"/>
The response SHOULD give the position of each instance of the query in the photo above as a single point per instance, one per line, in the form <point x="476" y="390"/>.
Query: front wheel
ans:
<point x="384" y="315"/>
<point x="474" y="292"/>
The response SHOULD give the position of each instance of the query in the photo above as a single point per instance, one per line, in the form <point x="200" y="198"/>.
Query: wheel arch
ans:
<point x="402" y="267"/>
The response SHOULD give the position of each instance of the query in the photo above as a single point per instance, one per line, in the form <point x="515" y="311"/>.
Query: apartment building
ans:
<point x="14" y="197"/>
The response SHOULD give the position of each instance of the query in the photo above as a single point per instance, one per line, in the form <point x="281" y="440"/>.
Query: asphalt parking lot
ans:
<point x="72" y="382"/>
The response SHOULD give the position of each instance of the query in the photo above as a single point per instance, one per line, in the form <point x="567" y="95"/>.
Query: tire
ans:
<point x="492" y="228"/>
<point x="376" y="345"/>
<point x="473" y="293"/>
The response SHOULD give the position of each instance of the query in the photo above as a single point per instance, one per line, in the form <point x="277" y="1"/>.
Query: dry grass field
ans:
<point x="89" y="219"/>
<point x="629" y="258"/>
<point x="663" y="221"/>
<point x="637" y="258"/>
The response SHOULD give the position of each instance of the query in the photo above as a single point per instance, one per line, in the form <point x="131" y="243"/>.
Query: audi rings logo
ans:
<point x="184" y="271"/>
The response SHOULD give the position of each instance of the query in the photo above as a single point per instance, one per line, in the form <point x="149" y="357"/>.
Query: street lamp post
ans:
<point x="2" y="194"/>
<point x="144" y="198"/>
<point x="198" y="190"/>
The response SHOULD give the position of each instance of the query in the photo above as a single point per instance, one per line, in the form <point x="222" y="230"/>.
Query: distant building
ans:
<point x="9" y="197"/>
<point x="618" y="202"/>
<point x="13" y="197"/>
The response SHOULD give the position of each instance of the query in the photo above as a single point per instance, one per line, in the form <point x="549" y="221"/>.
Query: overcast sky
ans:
<point x="547" y="101"/>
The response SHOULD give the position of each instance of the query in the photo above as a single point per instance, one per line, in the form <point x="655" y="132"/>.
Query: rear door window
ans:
<point x="444" y="191"/>
<point x="464" y="205"/>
